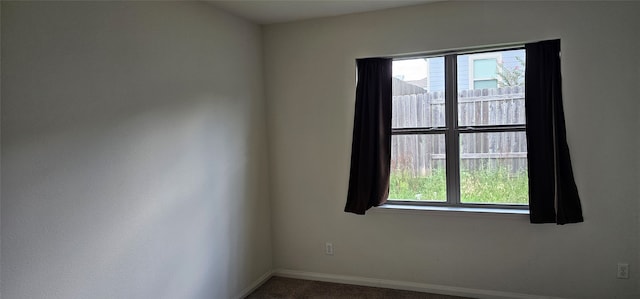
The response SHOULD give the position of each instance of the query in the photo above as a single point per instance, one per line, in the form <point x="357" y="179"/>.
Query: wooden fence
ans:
<point x="420" y="154"/>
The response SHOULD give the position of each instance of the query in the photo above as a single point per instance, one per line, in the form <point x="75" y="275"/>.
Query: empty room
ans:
<point x="215" y="149"/>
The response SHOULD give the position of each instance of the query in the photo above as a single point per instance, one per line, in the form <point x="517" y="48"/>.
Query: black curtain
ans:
<point x="371" y="145"/>
<point x="553" y="195"/>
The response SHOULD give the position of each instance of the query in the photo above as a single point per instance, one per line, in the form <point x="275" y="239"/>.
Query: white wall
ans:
<point x="310" y="72"/>
<point x="134" y="151"/>
<point x="0" y="150"/>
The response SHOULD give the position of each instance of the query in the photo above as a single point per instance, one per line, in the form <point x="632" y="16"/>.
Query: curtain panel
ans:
<point x="553" y="195"/>
<point x="371" y="145"/>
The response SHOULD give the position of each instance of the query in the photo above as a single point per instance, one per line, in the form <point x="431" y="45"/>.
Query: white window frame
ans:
<point x="452" y="132"/>
<point x="473" y="57"/>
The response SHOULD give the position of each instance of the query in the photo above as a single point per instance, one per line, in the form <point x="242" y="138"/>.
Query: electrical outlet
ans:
<point x="328" y="248"/>
<point x="623" y="271"/>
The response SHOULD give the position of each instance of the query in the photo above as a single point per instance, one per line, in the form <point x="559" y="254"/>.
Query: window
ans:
<point x="483" y="69"/>
<point x="464" y="146"/>
<point x="427" y="148"/>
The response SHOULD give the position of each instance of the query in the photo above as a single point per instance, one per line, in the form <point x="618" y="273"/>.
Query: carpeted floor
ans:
<point x="288" y="288"/>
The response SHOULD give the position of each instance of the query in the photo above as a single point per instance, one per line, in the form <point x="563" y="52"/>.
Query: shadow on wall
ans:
<point x="132" y="152"/>
<point x="166" y="196"/>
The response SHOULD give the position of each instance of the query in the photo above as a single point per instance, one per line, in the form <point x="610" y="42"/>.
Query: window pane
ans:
<point x="485" y="84"/>
<point x="418" y="93"/>
<point x="485" y="101"/>
<point x="493" y="168"/>
<point x="418" y="168"/>
<point x="485" y="68"/>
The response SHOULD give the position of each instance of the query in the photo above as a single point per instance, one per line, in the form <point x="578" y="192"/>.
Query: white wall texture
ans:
<point x="310" y="72"/>
<point x="0" y="149"/>
<point x="134" y="151"/>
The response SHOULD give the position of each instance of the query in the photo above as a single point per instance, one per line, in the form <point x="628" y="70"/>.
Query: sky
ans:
<point x="410" y="69"/>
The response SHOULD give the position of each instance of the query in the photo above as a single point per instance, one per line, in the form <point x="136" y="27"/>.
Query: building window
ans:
<point x="483" y="70"/>
<point x="464" y="146"/>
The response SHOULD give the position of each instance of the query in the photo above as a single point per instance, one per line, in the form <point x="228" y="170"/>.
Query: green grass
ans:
<point x="404" y="186"/>
<point x="496" y="186"/>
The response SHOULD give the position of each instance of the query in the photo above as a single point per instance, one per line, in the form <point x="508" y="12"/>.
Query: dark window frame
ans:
<point x="452" y="132"/>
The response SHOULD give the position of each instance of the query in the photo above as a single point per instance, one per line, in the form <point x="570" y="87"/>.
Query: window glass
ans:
<point x="487" y="152"/>
<point x="414" y="103"/>
<point x="485" y="68"/>
<point x="503" y="102"/>
<point x="493" y="168"/>
<point x="418" y="168"/>
<point x="485" y="84"/>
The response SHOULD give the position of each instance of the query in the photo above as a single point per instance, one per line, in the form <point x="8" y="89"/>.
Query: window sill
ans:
<point x="420" y="209"/>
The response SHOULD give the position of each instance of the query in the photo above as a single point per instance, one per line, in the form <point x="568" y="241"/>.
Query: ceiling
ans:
<point x="278" y="11"/>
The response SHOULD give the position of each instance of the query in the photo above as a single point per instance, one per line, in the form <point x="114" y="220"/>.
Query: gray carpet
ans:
<point x="288" y="288"/>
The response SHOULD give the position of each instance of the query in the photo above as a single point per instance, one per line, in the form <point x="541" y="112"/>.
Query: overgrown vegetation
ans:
<point x="511" y="76"/>
<point x="403" y="185"/>
<point x="478" y="186"/>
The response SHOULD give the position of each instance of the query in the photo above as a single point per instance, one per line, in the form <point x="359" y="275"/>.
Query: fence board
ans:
<point x="420" y="154"/>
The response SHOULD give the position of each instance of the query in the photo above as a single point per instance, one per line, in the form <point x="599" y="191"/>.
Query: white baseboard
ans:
<point x="256" y="284"/>
<point x="405" y="285"/>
